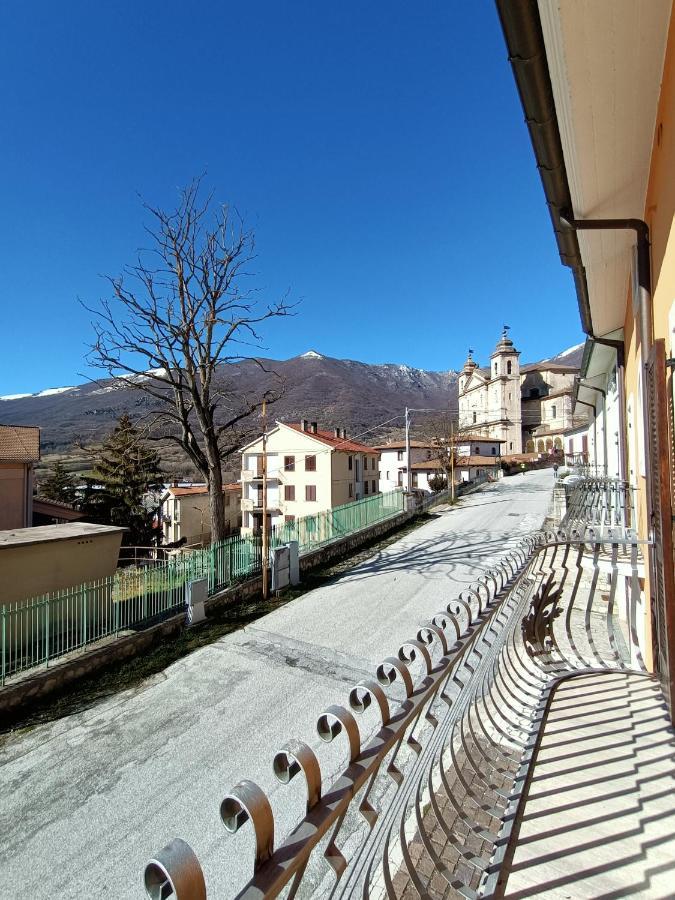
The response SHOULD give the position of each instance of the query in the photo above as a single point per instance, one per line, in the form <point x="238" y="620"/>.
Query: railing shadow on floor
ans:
<point x="427" y="803"/>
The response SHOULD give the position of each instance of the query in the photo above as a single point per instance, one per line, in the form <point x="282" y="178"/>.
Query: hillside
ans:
<point x="341" y="392"/>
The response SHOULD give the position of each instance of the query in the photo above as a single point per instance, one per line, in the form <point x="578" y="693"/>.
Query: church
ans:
<point x="529" y="408"/>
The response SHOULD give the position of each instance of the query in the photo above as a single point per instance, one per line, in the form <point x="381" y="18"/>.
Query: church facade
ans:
<point x="529" y="408"/>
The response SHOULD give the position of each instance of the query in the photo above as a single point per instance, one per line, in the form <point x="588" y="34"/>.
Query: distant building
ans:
<point x="185" y="513"/>
<point x="54" y="512"/>
<point x="19" y="451"/>
<point x="530" y="408"/>
<point x="424" y="460"/>
<point x="308" y="470"/>
<point x="393" y="461"/>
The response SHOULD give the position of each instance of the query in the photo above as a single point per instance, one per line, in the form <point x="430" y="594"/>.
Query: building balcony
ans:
<point x="255" y="504"/>
<point x="477" y="744"/>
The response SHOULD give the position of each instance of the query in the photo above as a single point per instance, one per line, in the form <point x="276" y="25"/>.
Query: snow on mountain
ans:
<point x="311" y="354"/>
<point x="15" y="396"/>
<point x="49" y="392"/>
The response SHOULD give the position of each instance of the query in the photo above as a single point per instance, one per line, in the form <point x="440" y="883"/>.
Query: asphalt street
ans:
<point x="86" y="800"/>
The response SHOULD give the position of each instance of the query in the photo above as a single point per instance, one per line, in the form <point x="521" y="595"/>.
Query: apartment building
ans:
<point x="185" y="513"/>
<point x="19" y="451"/>
<point x="308" y="470"/>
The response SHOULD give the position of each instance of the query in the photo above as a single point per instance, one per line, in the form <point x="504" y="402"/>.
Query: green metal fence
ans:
<point x="33" y="632"/>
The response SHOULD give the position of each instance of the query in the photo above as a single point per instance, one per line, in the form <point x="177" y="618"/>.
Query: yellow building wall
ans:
<point x="659" y="214"/>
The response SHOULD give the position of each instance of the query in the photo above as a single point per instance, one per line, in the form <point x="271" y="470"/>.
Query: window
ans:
<point x="289" y="518"/>
<point x="428" y="454"/>
<point x="495" y="368"/>
<point x="476" y="450"/>
<point x="554" y="410"/>
<point x="365" y="487"/>
<point x="289" y="464"/>
<point x="289" y="492"/>
<point x="310" y="464"/>
<point x="399" y="455"/>
<point x="415" y="479"/>
<point x="350" y="463"/>
<point x="508" y="367"/>
<point x="474" y="418"/>
<point x="511" y="446"/>
<point x="351" y="489"/>
<point x="387" y="474"/>
<point x="310" y="492"/>
<point x="494" y="451"/>
<point x="373" y="486"/>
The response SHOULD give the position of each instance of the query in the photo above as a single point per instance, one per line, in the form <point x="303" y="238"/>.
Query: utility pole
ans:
<point x="407" y="451"/>
<point x="265" y="537"/>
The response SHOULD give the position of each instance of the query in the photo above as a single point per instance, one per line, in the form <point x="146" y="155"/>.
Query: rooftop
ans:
<point x="199" y="489"/>
<point x="69" y="531"/>
<point x="327" y="437"/>
<point x="19" y="443"/>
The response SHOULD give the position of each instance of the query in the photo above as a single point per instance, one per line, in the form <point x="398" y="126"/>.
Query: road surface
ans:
<point x="87" y="799"/>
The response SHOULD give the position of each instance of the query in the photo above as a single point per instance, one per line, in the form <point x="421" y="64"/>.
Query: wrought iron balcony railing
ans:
<point x="426" y="804"/>
<point x="597" y="500"/>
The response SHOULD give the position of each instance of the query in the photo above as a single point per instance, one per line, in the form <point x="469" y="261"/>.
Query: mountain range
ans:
<point x="355" y="395"/>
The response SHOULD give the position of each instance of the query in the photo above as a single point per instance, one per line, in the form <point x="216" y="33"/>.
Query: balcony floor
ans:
<point x="599" y="818"/>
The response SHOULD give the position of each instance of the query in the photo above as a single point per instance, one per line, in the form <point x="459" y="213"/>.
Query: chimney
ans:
<point x="312" y="427"/>
<point x="303" y="424"/>
<point x="336" y="432"/>
<point x="344" y="432"/>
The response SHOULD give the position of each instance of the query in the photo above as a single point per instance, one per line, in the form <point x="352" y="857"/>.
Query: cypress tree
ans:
<point x="125" y="470"/>
<point x="59" y="484"/>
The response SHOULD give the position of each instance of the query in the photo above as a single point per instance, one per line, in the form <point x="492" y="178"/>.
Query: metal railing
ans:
<point x="33" y="632"/>
<point x="599" y="501"/>
<point x="437" y="777"/>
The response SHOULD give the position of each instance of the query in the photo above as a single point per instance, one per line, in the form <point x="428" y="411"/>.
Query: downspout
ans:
<point x="592" y="387"/>
<point x="595" y="427"/>
<point x="641" y="230"/>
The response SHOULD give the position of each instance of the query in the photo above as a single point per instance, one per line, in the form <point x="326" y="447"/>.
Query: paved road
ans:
<point x="86" y="800"/>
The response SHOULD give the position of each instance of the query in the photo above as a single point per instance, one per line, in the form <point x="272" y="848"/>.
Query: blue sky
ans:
<point x="377" y="149"/>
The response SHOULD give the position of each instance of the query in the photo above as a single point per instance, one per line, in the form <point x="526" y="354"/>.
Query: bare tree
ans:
<point x="175" y="320"/>
<point x="443" y="431"/>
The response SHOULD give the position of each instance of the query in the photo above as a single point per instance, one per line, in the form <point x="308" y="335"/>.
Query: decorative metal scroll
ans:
<point x="425" y="805"/>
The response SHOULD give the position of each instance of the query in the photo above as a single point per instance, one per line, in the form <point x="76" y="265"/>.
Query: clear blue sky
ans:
<point x="378" y="149"/>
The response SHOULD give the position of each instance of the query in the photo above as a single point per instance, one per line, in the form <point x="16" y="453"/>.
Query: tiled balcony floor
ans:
<point x="599" y="818"/>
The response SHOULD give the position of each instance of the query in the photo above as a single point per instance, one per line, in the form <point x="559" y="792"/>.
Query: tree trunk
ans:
<point x="217" y="504"/>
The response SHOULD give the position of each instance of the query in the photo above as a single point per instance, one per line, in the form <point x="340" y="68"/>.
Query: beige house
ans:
<point x="185" y="513"/>
<point x="308" y="470"/>
<point x="19" y="451"/>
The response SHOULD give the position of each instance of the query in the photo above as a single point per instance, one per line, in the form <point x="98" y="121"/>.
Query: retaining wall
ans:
<point x="37" y="684"/>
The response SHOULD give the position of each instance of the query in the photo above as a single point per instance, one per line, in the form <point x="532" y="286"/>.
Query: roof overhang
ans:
<point x="589" y="74"/>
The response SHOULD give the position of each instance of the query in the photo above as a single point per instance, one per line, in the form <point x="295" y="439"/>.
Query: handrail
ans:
<point x="448" y="761"/>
